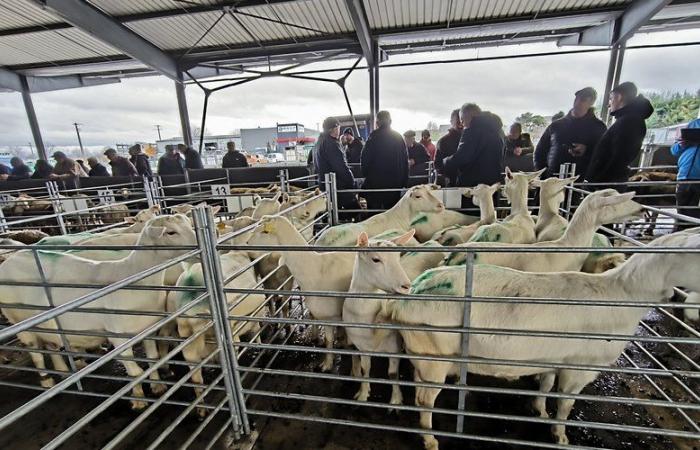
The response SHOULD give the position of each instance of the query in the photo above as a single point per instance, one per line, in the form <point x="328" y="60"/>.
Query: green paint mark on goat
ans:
<point x="443" y="287"/>
<point x="420" y="218"/>
<point x="428" y="274"/>
<point x="188" y="296"/>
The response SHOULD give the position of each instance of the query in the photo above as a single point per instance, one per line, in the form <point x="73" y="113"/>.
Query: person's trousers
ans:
<point x="688" y="202"/>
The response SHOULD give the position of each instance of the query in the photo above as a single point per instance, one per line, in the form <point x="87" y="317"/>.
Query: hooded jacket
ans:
<point x="621" y="144"/>
<point x="688" y="157"/>
<point x="553" y="148"/>
<point x="479" y="156"/>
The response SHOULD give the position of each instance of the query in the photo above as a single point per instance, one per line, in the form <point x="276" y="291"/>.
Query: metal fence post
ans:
<point x="205" y="228"/>
<point x="466" y="323"/>
<point x="3" y="222"/>
<point x="329" y="199"/>
<point x="52" y="188"/>
<point x="283" y="181"/>
<point x="334" y="192"/>
<point x="570" y="194"/>
<point x="432" y="173"/>
<point x="147" y="189"/>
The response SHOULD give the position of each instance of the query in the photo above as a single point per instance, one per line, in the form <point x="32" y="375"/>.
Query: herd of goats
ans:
<point x="418" y="220"/>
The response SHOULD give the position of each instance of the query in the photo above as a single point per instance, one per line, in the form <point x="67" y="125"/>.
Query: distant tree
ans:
<point x="530" y="121"/>
<point x="196" y="130"/>
<point x="432" y="125"/>
<point x="672" y="108"/>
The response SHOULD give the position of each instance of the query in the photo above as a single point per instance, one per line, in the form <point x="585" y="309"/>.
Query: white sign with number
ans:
<point x="106" y="196"/>
<point x="452" y="198"/>
<point x="224" y="190"/>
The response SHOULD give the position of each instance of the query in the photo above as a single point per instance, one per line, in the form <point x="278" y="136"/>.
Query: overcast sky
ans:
<point x="128" y="112"/>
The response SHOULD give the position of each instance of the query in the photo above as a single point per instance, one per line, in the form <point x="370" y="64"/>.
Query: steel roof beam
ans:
<point x="12" y="81"/>
<point x="362" y="29"/>
<point x="86" y="17"/>
<point x="620" y="29"/>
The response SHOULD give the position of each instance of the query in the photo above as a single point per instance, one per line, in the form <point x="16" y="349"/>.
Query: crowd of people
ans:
<point x="475" y="146"/>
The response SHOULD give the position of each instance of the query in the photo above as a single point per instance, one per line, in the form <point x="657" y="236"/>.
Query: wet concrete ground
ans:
<point x="39" y="427"/>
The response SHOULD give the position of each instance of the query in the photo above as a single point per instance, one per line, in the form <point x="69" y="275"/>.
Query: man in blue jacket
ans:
<point x="688" y="154"/>
<point x="329" y="157"/>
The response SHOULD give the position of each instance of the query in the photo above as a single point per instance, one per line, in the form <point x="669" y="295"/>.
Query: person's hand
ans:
<point x="578" y="150"/>
<point x="53" y="176"/>
<point x="517" y="151"/>
<point x="682" y="143"/>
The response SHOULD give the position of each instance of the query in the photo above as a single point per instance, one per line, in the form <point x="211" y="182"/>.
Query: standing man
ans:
<point x="417" y="154"/>
<point x="233" y="158"/>
<point x="621" y="144"/>
<point x="384" y="164"/>
<point x="193" y="160"/>
<point x="571" y="139"/>
<point x="20" y="171"/>
<point x="121" y="167"/>
<point x="688" y="153"/>
<point x="479" y="156"/>
<point x="329" y="158"/>
<point x="140" y="161"/>
<point x="517" y="142"/>
<point x="65" y="168"/>
<point x="428" y="144"/>
<point x="171" y="163"/>
<point x="97" y="169"/>
<point x="447" y="145"/>
<point x="353" y="147"/>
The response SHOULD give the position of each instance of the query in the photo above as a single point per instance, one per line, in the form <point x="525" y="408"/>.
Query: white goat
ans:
<point x="518" y="227"/>
<point x="67" y="268"/>
<point x="645" y="277"/>
<point x="393" y="233"/>
<point x="595" y="210"/>
<point x="550" y="225"/>
<point x="374" y="272"/>
<point x="416" y="200"/>
<point x="482" y="196"/>
<point x="267" y="207"/>
<point x="304" y="215"/>
<point x="428" y="223"/>
<point x="331" y="271"/>
<point x="251" y="305"/>
<point x="415" y="263"/>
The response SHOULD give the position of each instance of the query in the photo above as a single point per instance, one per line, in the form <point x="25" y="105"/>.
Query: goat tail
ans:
<point x="692" y="314"/>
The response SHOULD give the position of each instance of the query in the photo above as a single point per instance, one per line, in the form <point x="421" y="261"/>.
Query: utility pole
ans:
<point x="158" y="127"/>
<point x="80" y="141"/>
<point x="31" y="148"/>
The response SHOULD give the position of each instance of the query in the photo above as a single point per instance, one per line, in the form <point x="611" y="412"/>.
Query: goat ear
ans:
<point x="363" y="240"/>
<point x="129" y="220"/>
<point x="536" y="175"/>
<point x="317" y="191"/>
<point x="277" y="197"/>
<point x="215" y="209"/>
<point x="536" y="182"/>
<point x="509" y="174"/>
<point x="285" y="197"/>
<point x="571" y="180"/>
<point x="494" y="187"/>
<point x="468" y="192"/>
<point x="404" y="238"/>
<point x="256" y="199"/>
<point x="617" y="199"/>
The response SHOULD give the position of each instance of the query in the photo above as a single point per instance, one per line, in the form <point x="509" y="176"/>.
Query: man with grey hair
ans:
<point x="97" y="169"/>
<point x="384" y="164"/>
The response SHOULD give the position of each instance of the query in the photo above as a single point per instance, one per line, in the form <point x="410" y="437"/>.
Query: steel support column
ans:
<point x="373" y="92"/>
<point x="617" y="54"/>
<point x="33" y="122"/>
<point x="184" y="113"/>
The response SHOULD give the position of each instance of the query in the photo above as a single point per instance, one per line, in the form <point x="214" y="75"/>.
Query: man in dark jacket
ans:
<point x="328" y="157"/>
<point x="621" y="144"/>
<point x="384" y="164"/>
<point x="20" y="171"/>
<point x="121" y="167"/>
<point x="479" y="156"/>
<point x="140" y="161"/>
<point x="417" y="154"/>
<point x="97" y="169"/>
<point x="233" y="158"/>
<point x="353" y="147"/>
<point x="193" y="160"/>
<point x="571" y="139"/>
<point x="447" y="145"/>
<point x="171" y="163"/>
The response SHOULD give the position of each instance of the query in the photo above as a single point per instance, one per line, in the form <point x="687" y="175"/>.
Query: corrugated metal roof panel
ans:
<point x="58" y="45"/>
<point x="23" y="13"/>
<point x="127" y="7"/>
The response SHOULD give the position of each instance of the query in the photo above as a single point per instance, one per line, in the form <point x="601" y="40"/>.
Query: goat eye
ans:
<point x="377" y="260"/>
<point x="418" y="196"/>
<point x="171" y="233"/>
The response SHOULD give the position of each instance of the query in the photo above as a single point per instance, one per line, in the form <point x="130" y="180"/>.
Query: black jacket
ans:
<point x="418" y="154"/>
<point x="193" y="160"/>
<point x="328" y="157"/>
<point x="42" y="171"/>
<point x="140" y="161"/>
<point x="446" y="146"/>
<point x="524" y="142"/>
<point x="98" y="171"/>
<point x="19" y="173"/>
<point x="479" y="156"/>
<point x="122" y="167"/>
<point x="171" y="165"/>
<point x="385" y="160"/>
<point x="553" y="148"/>
<point x="234" y="159"/>
<point x="353" y="152"/>
<point x="621" y="144"/>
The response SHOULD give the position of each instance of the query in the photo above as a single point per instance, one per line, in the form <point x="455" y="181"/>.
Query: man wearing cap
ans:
<point x="417" y="154"/>
<point x="328" y="157"/>
<point x="140" y="161"/>
<point x="572" y="138"/>
<point x="193" y="160"/>
<point x="426" y="142"/>
<point x="65" y="168"/>
<point x="121" y="167"/>
<point x="384" y="164"/>
<point x="622" y="142"/>
<point x="353" y="146"/>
